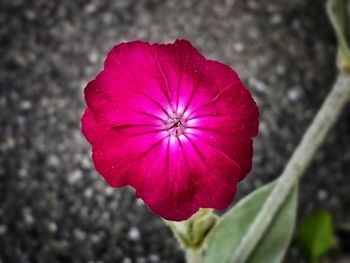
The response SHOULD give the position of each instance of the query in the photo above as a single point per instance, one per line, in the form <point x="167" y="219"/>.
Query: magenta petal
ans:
<point x="192" y="80"/>
<point x="131" y="89"/>
<point x="237" y="148"/>
<point x="186" y="178"/>
<point x="233" y="111"/>
<point x="117" y="150"/>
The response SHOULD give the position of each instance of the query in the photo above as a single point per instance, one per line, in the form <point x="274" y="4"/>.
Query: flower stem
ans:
<point x="301" y="158"/>
<point x="194" y="256"/>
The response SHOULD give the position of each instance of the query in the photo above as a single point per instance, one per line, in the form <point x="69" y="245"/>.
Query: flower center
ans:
<point x="177" y="123"/>
<point x="175" y="126"/>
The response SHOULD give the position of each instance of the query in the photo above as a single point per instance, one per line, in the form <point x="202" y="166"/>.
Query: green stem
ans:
<point x="194" y="256"/>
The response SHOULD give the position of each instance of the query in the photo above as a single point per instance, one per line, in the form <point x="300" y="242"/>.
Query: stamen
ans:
<point x="177" y="122"/>
<point x="175" y="126"/>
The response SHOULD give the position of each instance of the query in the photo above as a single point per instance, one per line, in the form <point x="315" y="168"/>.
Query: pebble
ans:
<point x="238" y="47"/>
<point x="134" y="234"/>
<point x="140" y="202"/>
<point x="79" y="235"/>
<point x="52" y="227"/>
<point x="93" y="57"/>
<point x="53" y="161"/>
<point x="26" y="105"/>
<point x="276" y="19"/>
<point x="294" y="94"/>
<point x="75" y="176"/>
<point x="86" y="163"/>
<point x="8" y="144"/>
<point x="322" y="195"/>
<point x="28" y="218"/>
<point x="22" y="173"/>
<point x="127" y="260"/>
<point x="88" y="193"/>
<point x="96" y="238"/>
<point x="154" y="258"/>
<point x="280" y="69"/>
<point x="3" y="229"/>
<point x="90" y="8"/>
<point x="258" y="85"/>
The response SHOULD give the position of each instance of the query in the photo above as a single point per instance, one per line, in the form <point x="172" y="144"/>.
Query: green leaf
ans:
<point x="315" y="234"/>
<point x="225" y="237"/>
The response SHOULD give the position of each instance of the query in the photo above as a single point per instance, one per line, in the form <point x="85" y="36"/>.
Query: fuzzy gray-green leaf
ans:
<point x="225" y="237"/>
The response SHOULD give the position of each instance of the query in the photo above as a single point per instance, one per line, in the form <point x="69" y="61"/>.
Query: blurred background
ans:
<point x="55" y="208"/>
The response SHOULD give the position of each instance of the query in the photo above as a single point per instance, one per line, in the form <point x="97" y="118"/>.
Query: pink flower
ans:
<point x="175" y="126"/>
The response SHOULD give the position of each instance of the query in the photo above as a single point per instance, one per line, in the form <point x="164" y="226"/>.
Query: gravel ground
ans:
<point x="53" y="205"/>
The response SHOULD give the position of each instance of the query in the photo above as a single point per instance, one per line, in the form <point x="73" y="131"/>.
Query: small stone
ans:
<point x="140" y="202"/>
<point x="96" y="238"/>
<point x="85" y="163"/>
<point x="52" y="227"/>
<point x="134" y="234"/>
<point x="107" y="19"/>
<point x="20" y="59"/>
<point x="79" y="235"/>
<point x="75" y="176"/>
<point x="322" y="195"/>
<point x="276" y="19"/>
<point x="28" y="218"/>
<point x="127" y="260"/>
<point x="3" y="101"/>
<point x="30" y="14"/>
<point x="294" y="94"/>
<point x="252" y="4"/>
<point x="280" y="69"/>
<point x="93" y="57"/>
<point x="109" y="191"/>
<point x="3" y="229"/>
<point x="90" y="8"/>
<point x="53" y="161"/>
<point x="263" y="128"/>
<point x="22" y="173"/>
<point x="26" y="105"/>
<point x="8" y="144"/>
<point x="259" y="85"/>
<point x="88" y="193"/>
<point x="238" y="47"/>
<point x="154" y="258"/>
